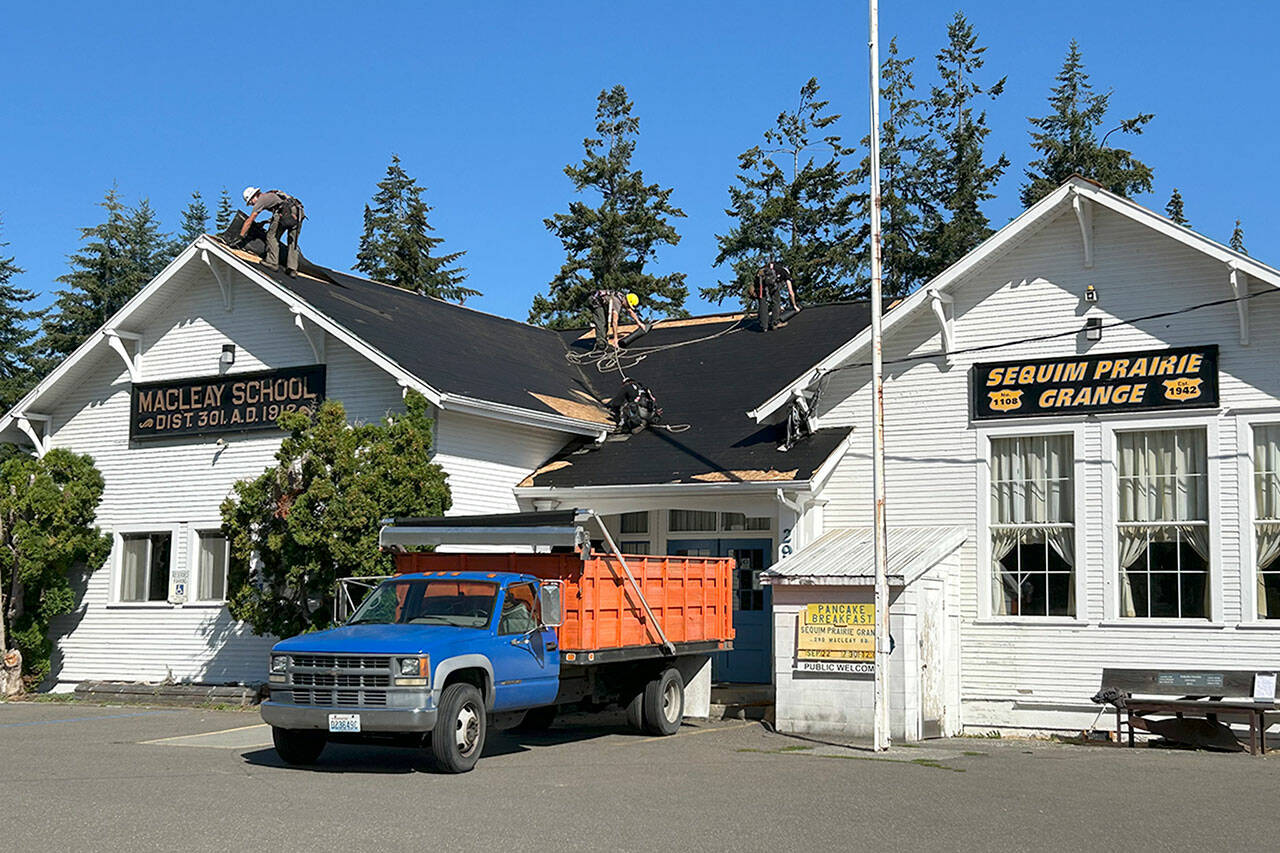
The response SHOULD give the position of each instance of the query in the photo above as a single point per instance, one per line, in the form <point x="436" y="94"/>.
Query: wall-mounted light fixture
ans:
<point x="1090" y="294"/>
<point x="1093" y="329"/>
<point x="228" y="356"/>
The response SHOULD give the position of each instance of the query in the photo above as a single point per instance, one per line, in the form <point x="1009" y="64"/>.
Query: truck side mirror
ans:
<point x="550" y="597"/>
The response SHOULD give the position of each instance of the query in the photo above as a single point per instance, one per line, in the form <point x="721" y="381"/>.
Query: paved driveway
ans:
<point x="78" y="777"/>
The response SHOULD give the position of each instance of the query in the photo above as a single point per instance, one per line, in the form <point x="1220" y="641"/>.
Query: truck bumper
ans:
<point x="286" y="716"/>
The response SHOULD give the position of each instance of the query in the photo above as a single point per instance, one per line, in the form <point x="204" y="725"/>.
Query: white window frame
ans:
<point x="1248" y="516"/>
<point x="1111" y="515"/>
<point x="193" y="561"/>
<point x="117" y="562"/>
<point x="1080" y="571"/>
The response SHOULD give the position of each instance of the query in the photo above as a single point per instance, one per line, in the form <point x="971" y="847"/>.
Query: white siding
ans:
<point x="1039" y="673"/>
<point x="180" y="484"/>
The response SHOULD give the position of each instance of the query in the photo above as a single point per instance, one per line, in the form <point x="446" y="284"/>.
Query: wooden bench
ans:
<point x="1204" y="694"/>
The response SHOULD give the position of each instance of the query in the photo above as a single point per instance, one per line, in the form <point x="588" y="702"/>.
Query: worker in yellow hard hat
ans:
<point x="606" y="308"/>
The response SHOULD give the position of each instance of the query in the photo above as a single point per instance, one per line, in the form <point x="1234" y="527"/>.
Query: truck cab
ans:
<point x="431" y="652"/>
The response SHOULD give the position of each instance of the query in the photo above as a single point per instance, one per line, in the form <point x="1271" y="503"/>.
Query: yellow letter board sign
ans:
<point x="837" y="638"/>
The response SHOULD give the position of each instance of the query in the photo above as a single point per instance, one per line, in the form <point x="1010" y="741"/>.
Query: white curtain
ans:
<point x="213" y="567"/>
<point x="133" y="569"/>
<point x="1268" y="538"/>
<point x="1162" y="475"/>
<point x="1063" y="541"/>
<point x="1132" y="545"/>
<point x="1266" y="479"/>
<point x="1002" y="542"/>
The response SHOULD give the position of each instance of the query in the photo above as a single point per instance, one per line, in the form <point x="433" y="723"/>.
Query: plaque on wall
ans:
<point x="1146" y="380"/>
<point x="214" y="405"/>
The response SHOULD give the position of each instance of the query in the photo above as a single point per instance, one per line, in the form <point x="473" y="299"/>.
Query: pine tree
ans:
<point x="195" y="220"/>
<point x="1068" y="143"/>
<point x="609" y="245"/>
<point x="397" y="245"/>
<point x="117" y="259"/>
<point x="1174" y="209"/>
<point x="16" y="334"/>
<point x="906" y="184"/>
<point x="796" y="207"/>
<point x="225" y="213"/>
<point x="964" y="179"/>
<point x="1237" y="239"/>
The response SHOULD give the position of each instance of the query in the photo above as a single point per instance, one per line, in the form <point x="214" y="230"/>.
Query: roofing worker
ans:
<point x="768" y="293"/>
<point x="606" y="307"/>
<point x="286" y="215"/>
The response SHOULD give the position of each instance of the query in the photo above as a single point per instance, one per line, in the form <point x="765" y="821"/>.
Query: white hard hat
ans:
<point x="249" y="193"/>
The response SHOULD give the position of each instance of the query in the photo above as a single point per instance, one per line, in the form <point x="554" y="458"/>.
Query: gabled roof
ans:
<point x="705" y="374"/>
<point x="846" y="556"/>
<point x="1076" y="191"/>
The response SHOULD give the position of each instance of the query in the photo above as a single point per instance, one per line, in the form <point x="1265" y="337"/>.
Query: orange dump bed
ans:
<point x="690" y="596"/>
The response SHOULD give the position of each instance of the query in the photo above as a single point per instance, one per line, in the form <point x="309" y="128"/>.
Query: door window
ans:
<point x="520" y="610"/>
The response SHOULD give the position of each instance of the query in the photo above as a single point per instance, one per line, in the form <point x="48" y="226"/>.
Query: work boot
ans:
<point x="291" y="273"/>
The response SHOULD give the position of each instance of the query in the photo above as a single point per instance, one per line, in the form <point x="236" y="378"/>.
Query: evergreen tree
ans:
<point x="609" y="245"/>
<point x="397" y="244"/>
<point x="906" y="184"/>
<point x="963" y="177"/>
<point x="16" y="353"/>
<point x="195" y="221"/>
<point x="796" y="207"/>
<point x="117" y="259"/>
<point x="1068" y="143"/>
<point x="1174" y="209"/>
<point x="313" y="516"/>
<point x="226" y="212"/>
<point x="1237" y="239"/>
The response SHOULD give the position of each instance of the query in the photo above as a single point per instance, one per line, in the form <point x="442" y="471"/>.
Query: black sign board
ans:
<point x="1181" y="378"/>
<point x="221" y="404"/>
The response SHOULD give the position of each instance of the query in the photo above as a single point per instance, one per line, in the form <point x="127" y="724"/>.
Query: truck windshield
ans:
<point x="465" y="604"/>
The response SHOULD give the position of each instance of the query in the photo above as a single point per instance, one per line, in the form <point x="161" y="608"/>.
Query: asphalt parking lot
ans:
<point x="81" y="777"/>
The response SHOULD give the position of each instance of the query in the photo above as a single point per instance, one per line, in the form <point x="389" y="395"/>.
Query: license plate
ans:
<point x="344" y="722"/>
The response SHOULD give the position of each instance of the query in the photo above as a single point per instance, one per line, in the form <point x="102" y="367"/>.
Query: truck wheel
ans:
<point x="538" y="719"/>
<point x="635" y="711"/>
<point x="664" y="703"/>
<point x="458" y="736"/>
<point x="298" y="746"/>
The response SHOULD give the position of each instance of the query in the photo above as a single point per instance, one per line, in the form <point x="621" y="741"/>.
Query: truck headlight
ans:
<point x="279" y="666"/>
<point x="412" y="672"/>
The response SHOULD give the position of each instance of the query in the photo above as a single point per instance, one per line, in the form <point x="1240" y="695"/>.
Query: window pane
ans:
<point x="158" y="582"/>
<point x="519" y="610"/>
<point x="735" y="521"/>
<point x="1269" y="595"/>
<point x="133" y="568"/>
<point x="686" y="520"/>
<point x="1162" y="475"/>
<point x="212" y="583"/>
<point x="634" y="522"/>
<point x="633" y="547"/>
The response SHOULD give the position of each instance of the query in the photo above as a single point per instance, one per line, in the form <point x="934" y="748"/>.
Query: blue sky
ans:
<point x="486" y="102"/>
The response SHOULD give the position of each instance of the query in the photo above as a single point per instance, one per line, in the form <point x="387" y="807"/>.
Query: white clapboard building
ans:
<point x="1083" y="433"/>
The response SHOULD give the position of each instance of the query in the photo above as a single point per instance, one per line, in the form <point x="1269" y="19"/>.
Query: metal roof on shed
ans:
<point x="846" y="555"/>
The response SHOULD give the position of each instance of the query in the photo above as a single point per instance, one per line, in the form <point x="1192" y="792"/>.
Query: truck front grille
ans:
<point x="343" y="698"/>
<point x="340" y="680"/>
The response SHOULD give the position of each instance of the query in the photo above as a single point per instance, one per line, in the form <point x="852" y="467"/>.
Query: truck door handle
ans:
<point x="520" y="641"/>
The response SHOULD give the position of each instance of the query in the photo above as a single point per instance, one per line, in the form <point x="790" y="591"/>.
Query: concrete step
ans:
<point x="742" y="702"/>
<point x="189" y="695"/>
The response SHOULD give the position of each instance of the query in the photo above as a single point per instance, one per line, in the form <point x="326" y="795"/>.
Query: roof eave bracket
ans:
<point x="41" y="440"/>
<point x="314" y="334"/>
<point x="943" y="305"/>
<point x="223" y="278"/>
<point x="115" y="339"/>
<point x="1084" y="216"/>
<point x="1238" y="280"/>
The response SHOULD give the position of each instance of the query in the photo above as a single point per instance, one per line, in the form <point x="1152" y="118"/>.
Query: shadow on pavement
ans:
<point x="373" y="758"/>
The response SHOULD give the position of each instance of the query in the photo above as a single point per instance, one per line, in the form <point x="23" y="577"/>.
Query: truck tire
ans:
<point x="635" y="711"/>
<point x="664" y="703"/>
<point x="458" y="736"/>
<point x="538" y="719"/>
<point x="298" y="746"/>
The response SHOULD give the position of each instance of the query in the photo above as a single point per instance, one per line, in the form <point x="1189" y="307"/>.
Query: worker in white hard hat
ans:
<point x="286" y="215"/>
<point x="606" y="308"/>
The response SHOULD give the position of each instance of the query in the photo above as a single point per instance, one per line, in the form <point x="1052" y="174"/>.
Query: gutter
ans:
<point x="516" y="414"/>
<point x="763" y="487"/>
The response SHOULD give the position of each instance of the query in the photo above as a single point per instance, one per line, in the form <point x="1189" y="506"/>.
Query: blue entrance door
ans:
<point x="752" y="606"/>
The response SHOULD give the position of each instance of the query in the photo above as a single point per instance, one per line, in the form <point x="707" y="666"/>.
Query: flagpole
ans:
<point x="881" y="711"/>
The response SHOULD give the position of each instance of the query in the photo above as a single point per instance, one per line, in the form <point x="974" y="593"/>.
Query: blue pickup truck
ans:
<point x="439" y="657"/>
